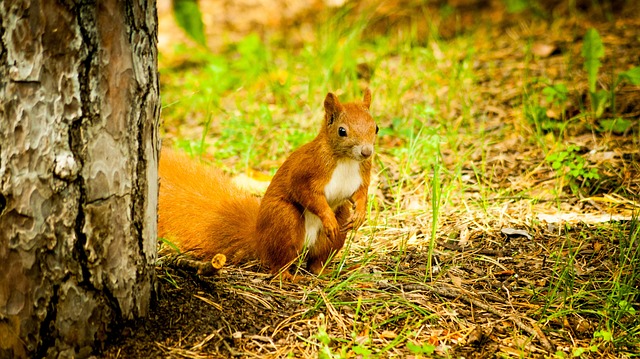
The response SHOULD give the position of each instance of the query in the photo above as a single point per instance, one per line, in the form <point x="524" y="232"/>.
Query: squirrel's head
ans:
<point x="349" y="127"/>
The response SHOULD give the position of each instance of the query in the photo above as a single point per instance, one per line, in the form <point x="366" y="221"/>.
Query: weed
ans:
<point x="424" y="349"/>
<point x="617" y="125"/>
<point x="170" y="244"/>
<point x="436" y="196"/>
<point x="188" y="16"/>
<point x="557" y="96"/>
<point x="346" y="351"/>
<point x="572" y="167"/>
<point x="169" y="278"/>
<point x="593" y="51"/>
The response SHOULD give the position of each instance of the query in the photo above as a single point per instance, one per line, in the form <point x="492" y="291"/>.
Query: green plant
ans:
<point x="571" y="166"/>
<point x="537" y="104"/>
<point x="533" y="6"/>
<point x="599" y="337"/>
<point x="325" y="351"/>
<point x="561" y="287"/>
<point x="170" y="244"/>
<point x="537" y="116"/>
<point x="346" y="351"/>
<point x="189" y="18"/>
<point x="169" y="278"/>
<point x="615" y="125"/>
<point x="252" y="58"/>
<point x="632" y="76"/>
<point x="517" y="6"/>
<point x="557" y="95"/>
<point x="418" y="349"/>
<point x="593" y="51"/>
<point x="436" y="201"/>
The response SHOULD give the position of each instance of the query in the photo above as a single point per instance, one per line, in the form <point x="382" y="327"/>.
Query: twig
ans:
<point x="202" y="268"/>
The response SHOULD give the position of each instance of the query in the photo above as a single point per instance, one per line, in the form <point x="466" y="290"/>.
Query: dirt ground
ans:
<point x="242" y="313"/>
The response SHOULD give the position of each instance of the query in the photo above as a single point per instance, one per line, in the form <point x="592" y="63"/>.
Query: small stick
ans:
<point x="202" y="268"/>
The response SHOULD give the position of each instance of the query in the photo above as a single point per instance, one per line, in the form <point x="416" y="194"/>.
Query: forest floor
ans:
<point x="503" y="217"/>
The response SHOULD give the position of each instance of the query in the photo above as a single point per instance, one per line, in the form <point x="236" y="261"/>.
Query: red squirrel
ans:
<point x="317" y="196"/>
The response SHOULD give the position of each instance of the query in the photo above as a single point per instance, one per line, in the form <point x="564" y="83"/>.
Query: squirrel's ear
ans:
<point x="332" y="107"/>
<point x="366" y="98"/>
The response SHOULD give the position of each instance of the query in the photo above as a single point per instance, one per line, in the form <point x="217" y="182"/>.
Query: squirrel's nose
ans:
<point x="366" y="151"/>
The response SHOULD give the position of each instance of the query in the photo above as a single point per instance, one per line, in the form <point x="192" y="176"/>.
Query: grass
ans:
<point x="475" y="136"/>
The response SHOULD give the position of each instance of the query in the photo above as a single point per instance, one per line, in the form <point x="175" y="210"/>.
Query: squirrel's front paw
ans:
<point x="331" y="227"/>
<point x="354" y="222"/>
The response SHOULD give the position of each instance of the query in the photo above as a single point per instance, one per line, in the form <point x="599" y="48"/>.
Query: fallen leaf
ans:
<point x="579" y="270"/>
<point x="516" y="232"/>
<point x="361" y="339"/>
<point x="542" y="50"/>
<point x="504" y="273"/>
<point x="475" y="336"/>
<point x="597" y="246"/>
<point x="551" y="113"/>
<point x="387" y="334"/>
<point x="583" y="326"/>
<point x="457" y="281"/>
<point x="464" y="237"/>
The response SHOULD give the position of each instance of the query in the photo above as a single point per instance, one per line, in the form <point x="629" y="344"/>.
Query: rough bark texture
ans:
<point x="79" y="110"/>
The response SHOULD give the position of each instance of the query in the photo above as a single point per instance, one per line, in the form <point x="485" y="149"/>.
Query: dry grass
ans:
<point x="494" y="294"/>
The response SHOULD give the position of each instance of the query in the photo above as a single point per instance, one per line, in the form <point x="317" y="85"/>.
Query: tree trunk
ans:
<point x="79" y="109"/>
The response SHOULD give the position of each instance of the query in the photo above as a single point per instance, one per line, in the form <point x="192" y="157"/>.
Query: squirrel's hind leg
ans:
<point x="280" y="235"/>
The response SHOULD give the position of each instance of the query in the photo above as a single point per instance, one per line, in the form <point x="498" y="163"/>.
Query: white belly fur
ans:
<point x="344" y="182"/>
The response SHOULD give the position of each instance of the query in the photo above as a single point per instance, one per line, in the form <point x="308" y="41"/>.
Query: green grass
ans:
<point x="603" y="299"/>
<point x="445" y="164"/>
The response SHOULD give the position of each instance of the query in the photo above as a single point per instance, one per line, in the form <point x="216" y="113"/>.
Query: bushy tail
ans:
<point x="203" y="212"/>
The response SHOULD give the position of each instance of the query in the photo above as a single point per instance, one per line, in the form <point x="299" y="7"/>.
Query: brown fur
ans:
<point x="205" y="213"/>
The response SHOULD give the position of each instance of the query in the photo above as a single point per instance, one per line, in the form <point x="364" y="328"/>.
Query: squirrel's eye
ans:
<point x="377" y="129"/>
<point x="342" y="132"/>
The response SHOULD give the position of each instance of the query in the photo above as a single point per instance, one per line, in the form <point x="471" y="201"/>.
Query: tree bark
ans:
<point x="79" y="109"/>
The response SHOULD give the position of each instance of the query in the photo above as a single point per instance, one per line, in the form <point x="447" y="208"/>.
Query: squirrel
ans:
<point x="316" y="196"/>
